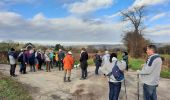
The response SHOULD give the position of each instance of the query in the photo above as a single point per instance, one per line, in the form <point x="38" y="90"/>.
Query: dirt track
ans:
<point x="50" y="86"/>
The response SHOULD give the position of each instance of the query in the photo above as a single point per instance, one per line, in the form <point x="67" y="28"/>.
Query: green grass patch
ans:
<point x="135" y="64"/>
<point x="90" y="61"/>
<point x="165" y="73"/>
<point x="12" y="90"/>
<point x="165" y="56"/>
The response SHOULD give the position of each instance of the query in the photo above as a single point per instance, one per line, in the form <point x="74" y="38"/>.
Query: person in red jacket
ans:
<point x="68" y="65"/>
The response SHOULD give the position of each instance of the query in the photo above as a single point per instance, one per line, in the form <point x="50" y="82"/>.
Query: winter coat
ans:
<point x="107" y="68"/>
<point x="68" y="62"/>
<point x="98" y="60"/>
<point x="12" y="57"/>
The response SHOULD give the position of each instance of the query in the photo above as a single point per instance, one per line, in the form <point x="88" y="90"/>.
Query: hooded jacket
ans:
<point x="108" y="66"/>
<point x="68" y="62"/>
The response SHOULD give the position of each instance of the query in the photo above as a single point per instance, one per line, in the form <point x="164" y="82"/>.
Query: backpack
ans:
<point x="117" y="73"/>
<point x="20" y="58"/>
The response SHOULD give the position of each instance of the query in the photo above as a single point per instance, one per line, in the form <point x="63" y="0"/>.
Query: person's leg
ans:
<point x="59" y="65"/>
<point x="14" y="69"/>
<point x="111" y="92"/>
<point x="47" y="66"/>
<point x="116" y="90"/>
<point x="34" y="67"/>
<point x="149" y="92"/>
<point x="11" y="70"/>
<point x="85" y="72"/>
<point x="65" y="74"/>
<point x="96" y="70"/>
<point x="21" y="68"/>
<point x="69" y="75"/>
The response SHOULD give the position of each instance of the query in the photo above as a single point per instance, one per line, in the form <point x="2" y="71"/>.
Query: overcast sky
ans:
<point x="83" y="21"/>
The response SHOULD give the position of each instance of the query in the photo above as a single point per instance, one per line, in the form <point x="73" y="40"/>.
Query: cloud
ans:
<point x="67" y="29"/>
<point x="158" y="16"/>
<point x="5" y="4"/>
<point x="159" y="30"/>
<point x="88" y="6"/>
<point x="148" y="2"/>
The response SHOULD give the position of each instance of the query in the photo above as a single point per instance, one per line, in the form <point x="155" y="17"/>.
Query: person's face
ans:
<point x="149" y="51"/>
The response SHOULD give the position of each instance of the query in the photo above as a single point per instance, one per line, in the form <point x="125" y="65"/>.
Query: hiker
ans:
<point x="61" y="56"/>
<point x="68" y="65"/>
<point x="105" y="58"/>
<point x="12" y="56"/>
<point x="150" y="73"/>
<point x="56" y="59"/>
<point x="40" y="59"/>
<point x="97" y="60"/>
<point x="51" y="55"/>
<point x="22" y="58"/>
<point x="125" y="58"/>
<point x="31" y="60"/>
<point x="83" y="63"/>
<point x="114" y="84"/>
<point x="47" y="61"/>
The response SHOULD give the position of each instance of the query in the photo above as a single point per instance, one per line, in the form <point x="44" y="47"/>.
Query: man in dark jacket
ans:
<point x="97" y="61"/>
<point x="12" y="60"/>
<point x="61" y="56"/>
<point x="83" y="63"/>
<point x="22" y="58"/>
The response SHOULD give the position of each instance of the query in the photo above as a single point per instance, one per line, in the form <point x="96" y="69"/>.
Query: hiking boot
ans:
<point x="69" y="79"/>
<point x="65" y="79"/>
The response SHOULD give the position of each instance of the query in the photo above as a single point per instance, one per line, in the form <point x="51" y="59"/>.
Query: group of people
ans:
<point x="149" y="75"/>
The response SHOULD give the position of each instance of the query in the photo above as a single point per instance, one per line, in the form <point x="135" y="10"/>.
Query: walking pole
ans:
<point x="138" y="85"/>
<point x="125" y="89"/>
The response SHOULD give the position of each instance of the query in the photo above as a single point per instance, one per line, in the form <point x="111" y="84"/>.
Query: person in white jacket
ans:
<point x="114" y="85"/>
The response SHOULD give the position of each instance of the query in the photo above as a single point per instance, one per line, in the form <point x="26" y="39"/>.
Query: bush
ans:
<point x="135" y="64"/>
<point x="165" y="73"/>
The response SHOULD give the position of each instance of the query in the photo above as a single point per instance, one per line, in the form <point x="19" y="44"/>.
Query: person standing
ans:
<point x="97" y="61"/>
<point x="150" y="73"/>
<point x="22" y="58"/>
<point x="12" y="61"/>
<point x="114" y="85"/>
<point x="105" y="58"/>
<point x="83" y="63"/>
<point x="61" y="56"/>
<point x="47" y="61"/>
<point x="125" y="58"/>
<point x="31" y="60"/>
<point x="68" y="65"/>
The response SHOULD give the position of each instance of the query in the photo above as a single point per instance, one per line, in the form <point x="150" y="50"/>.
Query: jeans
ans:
<point x="114" y="90"/>
<point x="149" y="92"/>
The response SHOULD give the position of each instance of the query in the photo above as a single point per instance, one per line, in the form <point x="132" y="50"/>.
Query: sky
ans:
<point x="79" y="21"/>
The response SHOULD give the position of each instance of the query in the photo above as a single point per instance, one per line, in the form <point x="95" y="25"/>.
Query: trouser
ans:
<point x="96" y="70"/>
<point x="84" y="69"/>
<point x="51" y="64"/>
<point x="61" y="65"/>
<point x="32" y="68"/>
<point x="40" y="64"/>
<point x="12" y="69"/>
<point x="22" y="68"/>
<point x="149" y="92"/>
<point x="48" y="66"/>
<point x="67" y="73"/>
<point x="114" y="90"/>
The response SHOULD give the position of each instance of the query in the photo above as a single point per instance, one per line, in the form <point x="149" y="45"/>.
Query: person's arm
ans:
<point x="148" y="69"/>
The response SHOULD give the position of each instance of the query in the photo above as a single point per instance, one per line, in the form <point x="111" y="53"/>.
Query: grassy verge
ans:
<point x="12" y="90"/>
<point x="165" y="73"/>
<point x="135" y="64"/>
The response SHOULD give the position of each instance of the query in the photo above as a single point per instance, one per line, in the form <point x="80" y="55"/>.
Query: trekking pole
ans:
<point x="125" y="89"/>
<point x="138" y="85"/>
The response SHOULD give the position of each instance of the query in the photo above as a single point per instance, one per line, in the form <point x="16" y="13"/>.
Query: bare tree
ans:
<point x="134" y="39"/>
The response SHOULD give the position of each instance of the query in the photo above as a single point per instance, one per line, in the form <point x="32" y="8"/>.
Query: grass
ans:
<point x="12" y="90"/>
<point x="165" y="56"/>
<point x="135" y="64"/>
<point x="165" y="73"/>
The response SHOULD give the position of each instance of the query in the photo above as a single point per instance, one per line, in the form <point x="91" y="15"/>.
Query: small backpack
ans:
<point x="117" y="73"/>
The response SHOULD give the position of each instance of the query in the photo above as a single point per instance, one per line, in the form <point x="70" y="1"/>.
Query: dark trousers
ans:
<point x="22" y="68"/>
<point x="12" y="69"/>
<point x="114" y="90"/>
<point x="84" y="69"/>
<point x="149" y="92"/>
<point x="32" y="68"/>
<point x="61" y="65"/>
<point x="96" y="70"/>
